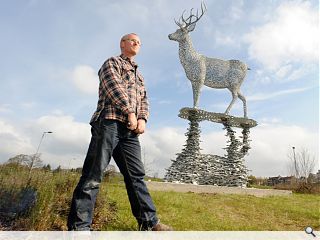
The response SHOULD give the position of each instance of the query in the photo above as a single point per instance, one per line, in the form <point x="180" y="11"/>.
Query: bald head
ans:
<point x="128" y="36"/>
<point x="130" y="45"/>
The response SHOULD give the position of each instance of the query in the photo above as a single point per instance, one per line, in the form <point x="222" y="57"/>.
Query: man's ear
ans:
<point x="122" y="44"/>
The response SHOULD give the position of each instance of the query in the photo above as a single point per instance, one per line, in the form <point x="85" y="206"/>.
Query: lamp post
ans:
<point x="295" y="162"/>
<point x="44" y="133"/>
<point x="33" y="159"/>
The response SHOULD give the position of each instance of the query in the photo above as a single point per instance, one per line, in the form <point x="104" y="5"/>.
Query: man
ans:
<point x="120" y="117"/>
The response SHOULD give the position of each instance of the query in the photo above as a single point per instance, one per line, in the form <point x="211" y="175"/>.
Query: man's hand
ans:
<point x="132" y="121"/>
<point x="141" y="126"/>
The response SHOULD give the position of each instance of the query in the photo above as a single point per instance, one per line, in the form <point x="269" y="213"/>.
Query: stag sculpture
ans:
<point x="202" y="70"/>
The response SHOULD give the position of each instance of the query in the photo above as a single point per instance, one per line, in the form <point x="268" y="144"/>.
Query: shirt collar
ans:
<point x="133" y="63"/>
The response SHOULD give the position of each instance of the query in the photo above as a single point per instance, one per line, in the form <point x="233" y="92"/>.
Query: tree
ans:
<point x="31" y="161"/>
<point x="301" y="163"/>
<point x="252" y="180"/>
<point x="47" y="167"/>
<point x="35" y="162"/>
<point x="19" y="159"/>
<point x="110" y="172"/>
<point x="147" y="165"/>
<point x="58" y="169"/>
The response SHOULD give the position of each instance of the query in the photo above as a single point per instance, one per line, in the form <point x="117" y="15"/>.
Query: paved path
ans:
<point x="181" y="187"/>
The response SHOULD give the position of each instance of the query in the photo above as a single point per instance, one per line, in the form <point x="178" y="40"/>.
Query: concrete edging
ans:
<point x="184" y="187"/>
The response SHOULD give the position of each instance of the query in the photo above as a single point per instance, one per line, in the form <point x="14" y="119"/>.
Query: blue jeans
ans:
<point x="112" y="138"/>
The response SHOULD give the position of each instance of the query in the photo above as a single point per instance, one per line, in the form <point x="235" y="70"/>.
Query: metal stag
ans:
<point x="202" y="70"/>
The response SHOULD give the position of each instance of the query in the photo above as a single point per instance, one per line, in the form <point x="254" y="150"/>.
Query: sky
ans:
<point x="51" y="51"/>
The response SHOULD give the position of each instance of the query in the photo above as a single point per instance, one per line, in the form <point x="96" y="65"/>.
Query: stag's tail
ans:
<point x="246" y="67"/>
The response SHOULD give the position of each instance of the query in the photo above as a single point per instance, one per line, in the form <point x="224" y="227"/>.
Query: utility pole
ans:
<point x="295" y="163"/>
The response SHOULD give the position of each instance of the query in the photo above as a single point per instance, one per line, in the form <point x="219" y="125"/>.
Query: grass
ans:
<point x="184" y="211"/>
<point x="218" y="212"/>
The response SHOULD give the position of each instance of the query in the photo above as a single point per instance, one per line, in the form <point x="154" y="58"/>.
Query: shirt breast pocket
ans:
<point x="128" y="73"/>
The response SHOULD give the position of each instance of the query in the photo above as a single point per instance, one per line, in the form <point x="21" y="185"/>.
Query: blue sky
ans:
<point x="51" y="52"/>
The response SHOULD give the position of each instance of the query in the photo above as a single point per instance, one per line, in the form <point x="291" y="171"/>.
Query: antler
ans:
<point x="184" y="23"/>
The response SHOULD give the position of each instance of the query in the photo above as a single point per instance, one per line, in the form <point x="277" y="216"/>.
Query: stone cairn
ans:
<point x="187" y="166"/>
<point x="191" y="166"/>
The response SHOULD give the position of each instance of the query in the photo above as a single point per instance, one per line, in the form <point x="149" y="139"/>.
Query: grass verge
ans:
<point x="184" y="211"/>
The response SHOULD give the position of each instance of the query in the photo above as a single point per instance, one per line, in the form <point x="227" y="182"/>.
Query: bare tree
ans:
<point x="110" y="172"/>
<point x="31" y="161"/>
<point x="36" y="161"/>
<point x="147" y="165"/>
<point x="20" y="159"/>
<point x="301" y="163"/>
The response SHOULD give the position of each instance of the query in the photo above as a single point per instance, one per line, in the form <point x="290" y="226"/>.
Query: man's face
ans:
<point x="130" y="45"/>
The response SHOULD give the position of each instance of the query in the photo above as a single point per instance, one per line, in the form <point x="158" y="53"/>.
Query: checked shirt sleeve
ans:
<point x="114" y="86"/>
<point x="144" y="107"/>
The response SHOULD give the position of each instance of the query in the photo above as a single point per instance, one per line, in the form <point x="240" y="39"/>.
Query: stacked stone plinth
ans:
<point x="185" y="168"/>
<point x="191" y="166"/>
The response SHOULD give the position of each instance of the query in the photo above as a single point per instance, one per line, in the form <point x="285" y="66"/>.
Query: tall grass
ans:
<point x="184" y="211"/>
<point x="54" y="192"/>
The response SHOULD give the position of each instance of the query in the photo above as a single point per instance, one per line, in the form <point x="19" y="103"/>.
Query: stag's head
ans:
<point x="186" y="25"/>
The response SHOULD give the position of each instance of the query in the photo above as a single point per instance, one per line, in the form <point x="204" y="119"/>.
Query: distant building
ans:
<point x="314" y="178"/>
<point x="272" y="181"/>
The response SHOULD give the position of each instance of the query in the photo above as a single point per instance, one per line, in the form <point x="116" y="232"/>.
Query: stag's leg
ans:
<point x="234" y="98"/>
<point x="196" y="93"/>
<point x="243" y="99"/>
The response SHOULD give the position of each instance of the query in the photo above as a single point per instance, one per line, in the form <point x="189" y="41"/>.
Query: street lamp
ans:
<point x="44" y="133"/>
<point x="33" y="159"/>
<point x="295" y="162"/>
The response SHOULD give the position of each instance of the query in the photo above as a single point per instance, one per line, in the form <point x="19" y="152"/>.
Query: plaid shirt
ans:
<point x="121" y="91"/>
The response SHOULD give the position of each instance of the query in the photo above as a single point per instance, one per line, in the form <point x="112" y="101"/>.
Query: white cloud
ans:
<point x="235" y="13"/>
<point x="69" y="136"/>
<point x="270" y="144"/>
<point x="68" y="143"/>
<point x="264" y="120"/>
<point x="69" y="139"/>
<point x="160" y="147"/>
<point x="262" y="77"/>
<point x="165" y="102"/>
<point x="300" y="72"/>
<point x="6" y="128"/>
<point x="5" y="108"/>
<point x="283" y="71"/>
<point x="222" y="106"/>
<point x="225" y="40"/>
<point x="265" y="96"/>
<point x="290" y="36"/>
<point x="85" y="79"/>
<point x="28" y="105"/>
<point x="12" y="142"/>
